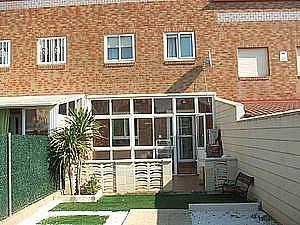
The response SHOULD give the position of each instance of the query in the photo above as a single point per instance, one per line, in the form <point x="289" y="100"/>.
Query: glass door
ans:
<point x="186" y="138"/>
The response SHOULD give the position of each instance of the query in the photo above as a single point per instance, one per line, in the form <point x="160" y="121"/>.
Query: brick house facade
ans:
<point x="215" y="28"/>
<point x="153" y="110"/>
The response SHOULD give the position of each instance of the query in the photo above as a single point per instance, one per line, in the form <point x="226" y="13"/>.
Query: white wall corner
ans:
<point x="239" y="107"/>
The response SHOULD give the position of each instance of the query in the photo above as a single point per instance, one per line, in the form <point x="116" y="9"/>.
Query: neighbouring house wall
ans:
<point x="127" y="176"/>
<point x="267" y="148"/>
<point x="215" y="29"/>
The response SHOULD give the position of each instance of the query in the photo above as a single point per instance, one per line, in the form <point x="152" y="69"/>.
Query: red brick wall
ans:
<point x="85" y="71"/>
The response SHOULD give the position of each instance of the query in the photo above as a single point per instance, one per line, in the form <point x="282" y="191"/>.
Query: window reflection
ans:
<point x="100" y="107"/>
<point x="37" y="121"/>
<point x="103" y="141"/>
<point x="117" y="154"/>
<point x="62" y="109"/>
<point x="185" y="105"/>
<point x="120" y="106"/>
<point x="102" y="155"/>
<point x="120" y="132"/>
<point x="163" y="131"/>
<point x="142" y="106"/>
<point x="143" y="154"/>
<point x="15" y="121"/>
<point x="205" y="105"/>
<point x="163" y="105"/>
<point x="143" y="132"/>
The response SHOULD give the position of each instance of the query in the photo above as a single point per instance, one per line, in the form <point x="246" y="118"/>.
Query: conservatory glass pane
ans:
<point x="142" y="106"/>
<point x="37" y="121"/>
<point x="143" y="132"/>
<point x="120" y="132"/>
<point x="100" y="107"/>
<point x="163" y="105"/>
<point x="185" y="105"/>
<point x="103" y="141"/>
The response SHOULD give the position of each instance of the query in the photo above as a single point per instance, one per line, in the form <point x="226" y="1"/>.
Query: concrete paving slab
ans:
<point x="158" y="217"/>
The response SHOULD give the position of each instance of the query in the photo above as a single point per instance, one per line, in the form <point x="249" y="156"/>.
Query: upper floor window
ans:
<point x="52" y="50"/>
<point x="253" y="62"/>
<point x="179" y="46"/>
<point x="119" y="48"/>
<point x="5" y="53"/>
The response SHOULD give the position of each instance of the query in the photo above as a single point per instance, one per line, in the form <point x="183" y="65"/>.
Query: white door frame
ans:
<point x="197" y="131"/>
<point x="193" y="135"/>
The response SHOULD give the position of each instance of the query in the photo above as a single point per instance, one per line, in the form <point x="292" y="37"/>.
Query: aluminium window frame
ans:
<point x="179" y="58"/>
<point x="9" y="53"/>
<point x="52" y="51"/>
<point x="119" y="60"/>
<point x="132" y="116"/>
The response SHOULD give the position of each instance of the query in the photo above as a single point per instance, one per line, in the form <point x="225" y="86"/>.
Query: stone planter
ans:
<point x="81" y="198"/>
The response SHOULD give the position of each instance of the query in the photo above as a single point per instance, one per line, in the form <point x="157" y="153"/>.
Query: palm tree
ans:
<point x="71" y="145"/>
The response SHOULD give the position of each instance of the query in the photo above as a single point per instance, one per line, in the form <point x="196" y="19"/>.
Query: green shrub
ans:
<point x="91" y="187"/>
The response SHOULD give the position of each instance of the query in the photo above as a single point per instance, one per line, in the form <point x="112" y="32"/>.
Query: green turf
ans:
<point x="159" y="201"/>
<point x="75" y="220"/>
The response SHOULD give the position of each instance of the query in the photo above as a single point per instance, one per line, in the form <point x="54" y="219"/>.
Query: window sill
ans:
<point x="52" y="67"/>
<point x="119" y="64"/>
<point x="254" y="78"/>
<point x="180" y="62"/>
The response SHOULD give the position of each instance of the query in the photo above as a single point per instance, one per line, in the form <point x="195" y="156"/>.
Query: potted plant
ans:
<point x="90" y="192"/>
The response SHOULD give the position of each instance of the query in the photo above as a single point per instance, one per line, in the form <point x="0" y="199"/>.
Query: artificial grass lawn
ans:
<point x="75" y="220"/>
<point x="159" y="201"/>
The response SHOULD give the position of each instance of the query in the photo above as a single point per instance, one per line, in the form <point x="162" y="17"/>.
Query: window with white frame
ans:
<point x="120" y="132"/>
<point x="67" y="108"/>
<point x="253" y="62"/>
<point x="179" y="46"/>
<point x="298" y="60"/>
<point x="52" y="50"/>
<point x="5" y="53"/>
<point x="119" y="48"/>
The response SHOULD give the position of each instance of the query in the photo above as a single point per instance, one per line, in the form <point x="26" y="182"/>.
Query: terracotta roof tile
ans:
<point x="263" y="107"/>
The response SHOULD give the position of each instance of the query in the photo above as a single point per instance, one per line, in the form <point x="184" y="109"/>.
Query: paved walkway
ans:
<point x="115" y="218"/>
<point x="188" y="183"/>
<point x="158" y="217"/>
<point x="134" y="217"/>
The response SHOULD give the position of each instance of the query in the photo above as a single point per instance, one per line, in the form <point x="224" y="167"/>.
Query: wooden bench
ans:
<point x="240" y="187"/>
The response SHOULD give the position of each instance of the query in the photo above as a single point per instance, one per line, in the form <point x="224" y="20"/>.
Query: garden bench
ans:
<point x="240" y="187"/>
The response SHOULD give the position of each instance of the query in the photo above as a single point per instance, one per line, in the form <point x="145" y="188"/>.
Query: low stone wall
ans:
<point x="130" y="176"/>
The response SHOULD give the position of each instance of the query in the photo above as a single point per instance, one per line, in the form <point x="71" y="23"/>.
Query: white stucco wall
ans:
<point x="267" y="148"/>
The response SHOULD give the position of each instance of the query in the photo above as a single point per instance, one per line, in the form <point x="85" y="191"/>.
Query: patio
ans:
<point x="188" y="183"/>
<point x="159" y="209"/>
